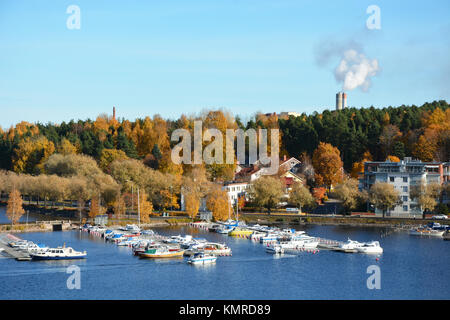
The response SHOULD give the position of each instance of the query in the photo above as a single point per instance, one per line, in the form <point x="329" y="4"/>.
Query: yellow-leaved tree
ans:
<point x="192" y="203"/>
<point x="145" y="207"/>
<point x="120" y="207"/>
<point x="65" y="147"/>
<point x="31" y="154"/>
<point x="358" y="167"/>
<point x="14" y="210"/>
<point x="217" y="202"/>
<point x="96" y="207"/>
<point x="327" y="165"/>
<point x="393" y="158"/>
<point x="110" y="155"/>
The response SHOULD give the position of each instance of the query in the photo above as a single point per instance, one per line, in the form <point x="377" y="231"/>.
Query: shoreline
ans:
<point x="75" y="226"/>
<point x="264" y="219"/>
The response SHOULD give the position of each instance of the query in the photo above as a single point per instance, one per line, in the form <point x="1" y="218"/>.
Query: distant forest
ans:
<point x="366" y="133"/>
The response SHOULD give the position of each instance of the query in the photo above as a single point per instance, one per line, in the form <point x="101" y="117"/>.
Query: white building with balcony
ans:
<point x="403" y="176"/>
<point x="235" y="190"/>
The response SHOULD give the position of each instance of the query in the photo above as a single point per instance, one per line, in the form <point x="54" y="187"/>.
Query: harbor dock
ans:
<point x="19" y="255"/>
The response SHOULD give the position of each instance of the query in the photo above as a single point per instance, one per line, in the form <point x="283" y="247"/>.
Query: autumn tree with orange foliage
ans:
<point x="241" y="202"/>
<point x="168" y="199"/>
<point x="218" y="203"/>
<point x="319" y="194"/>
<point x="14" y="209"/>
<point x="192" y="204"/>
<point x="434" y="144"/>
<point x="219" y="121"/>
<point x="392" y="159"/>
<point x="145" y="208"/>
<point x="358" y="167"/>
<point x="327" y="165"/>
<point x="96" y="207"/>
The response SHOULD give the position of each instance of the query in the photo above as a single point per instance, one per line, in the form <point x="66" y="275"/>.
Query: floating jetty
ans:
<point x="333" y="245"/>
<point x="17" y="254"/>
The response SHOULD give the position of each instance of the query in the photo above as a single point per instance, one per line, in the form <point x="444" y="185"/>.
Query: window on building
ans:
<point x="405" y="208"/>
<point x="405" y="198"/>
<point x="391" y="179"/>
<point x="405" y="179"/>
<point x="405" y="189"/>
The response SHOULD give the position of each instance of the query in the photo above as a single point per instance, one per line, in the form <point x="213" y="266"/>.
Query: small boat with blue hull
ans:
<point x="60" y="253"/>
<point x="202" y="258"/>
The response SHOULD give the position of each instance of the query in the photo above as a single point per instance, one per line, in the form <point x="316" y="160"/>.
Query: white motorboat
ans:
<point x="372" y="247"/>
<point x="20" y="244"/>
<point x="275" y="249"/>
<point x="270" y="237"/>
<point x="350" y="245"/>
<point x="128" y="242"/>
<point x="133" y="228"/>
<point x="192" y="243"/>
<point x="213" y="248"/>
<point x="257" y="235"/>
<point x="300" y="244"/>
<point x="60" y="253"/>
<point x="202" y="258"/>
<point x="148" y="232"/>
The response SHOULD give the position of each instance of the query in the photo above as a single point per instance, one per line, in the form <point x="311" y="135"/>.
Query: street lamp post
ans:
<point x="171" y="191"/>
<point x="139" y="209"/>
<point x="132" y="201"/>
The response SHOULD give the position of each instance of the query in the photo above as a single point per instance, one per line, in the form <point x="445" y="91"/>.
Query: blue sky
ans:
<point x="172" y="57"/>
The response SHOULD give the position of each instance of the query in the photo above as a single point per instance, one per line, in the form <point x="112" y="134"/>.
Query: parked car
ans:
<point x="440" y="216"/>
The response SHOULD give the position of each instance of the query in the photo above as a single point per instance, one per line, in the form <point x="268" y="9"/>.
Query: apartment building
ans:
<point x="404" y="175"/>
<point x="235" y="190"/>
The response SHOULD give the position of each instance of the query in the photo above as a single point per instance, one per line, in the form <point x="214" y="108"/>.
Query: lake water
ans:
<point x="23" y="218"/>
<point x="411" y="268"/>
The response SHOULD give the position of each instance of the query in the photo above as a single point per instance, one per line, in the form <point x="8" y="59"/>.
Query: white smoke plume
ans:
<point x="355" y="70"/>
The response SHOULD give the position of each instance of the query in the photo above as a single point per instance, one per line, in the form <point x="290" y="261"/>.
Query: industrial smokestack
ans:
<point x="114" y="113"/>
<point x="341" y="100"/>
<point x="338" y="101"/>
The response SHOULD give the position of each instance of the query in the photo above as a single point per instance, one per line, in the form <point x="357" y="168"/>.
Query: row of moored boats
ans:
<point x="278" y="240"/>
<point x="432" y="229"/>
<point x="147" y="244"/>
